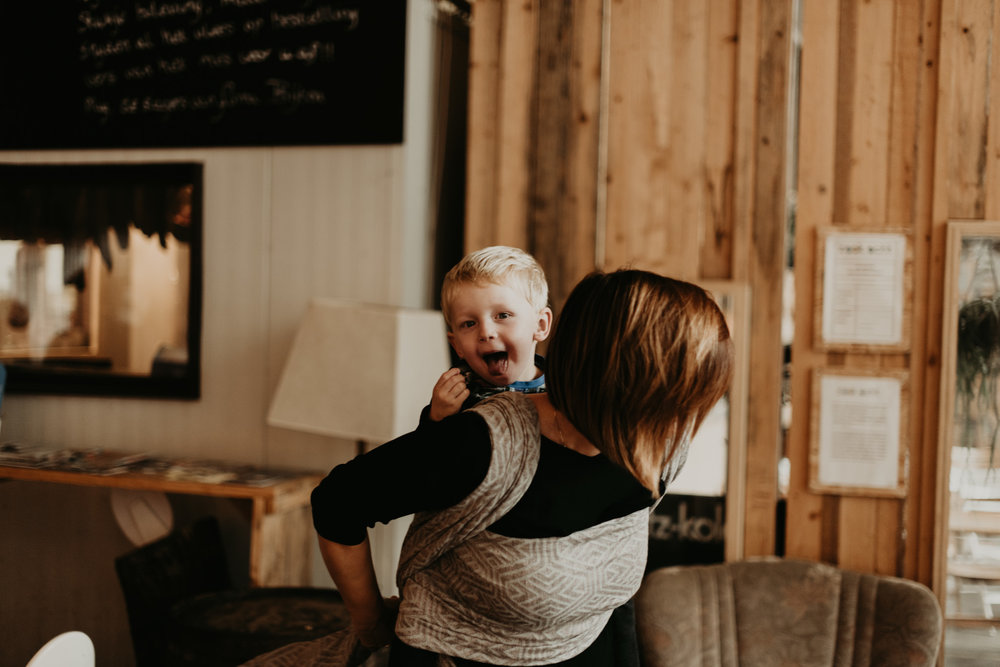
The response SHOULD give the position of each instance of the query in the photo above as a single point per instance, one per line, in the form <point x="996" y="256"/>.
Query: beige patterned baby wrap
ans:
<point x="513" y="601"/>
<point x="487" y="597"/>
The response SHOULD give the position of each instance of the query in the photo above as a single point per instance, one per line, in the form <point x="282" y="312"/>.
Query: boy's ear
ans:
<point x="451" y="341"/>
<point x="544" y="325"/>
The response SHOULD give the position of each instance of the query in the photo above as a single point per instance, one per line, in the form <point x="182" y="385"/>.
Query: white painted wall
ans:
<point x="281" y="226"/>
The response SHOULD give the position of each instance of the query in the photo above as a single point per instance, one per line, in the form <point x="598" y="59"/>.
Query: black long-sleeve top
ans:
<point x="439" y="464"/>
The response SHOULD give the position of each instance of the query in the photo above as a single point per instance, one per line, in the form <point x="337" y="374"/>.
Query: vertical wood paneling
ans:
<point x="534" y="130"/>
<point x="909" y="196"/>
<point x="516" y="84"/>
<point x="919" y="557"/>
<point x="745" y="136"/>
<point x="640" y="155"/>
<point x="880" y="140"/>
<point x="863" y="184"/>
<point x="818" y="121"/>
<point x="766" y="267"/>
<point x="991" y="209"/>
<point x="760" y="495"/>
<point x="694" y="179"/>
<point x="893" y="131"/>
<point x="846" y="47"/>
<point x="872" y="101"/>
<point x="858" y="528"/>
<point x="502" y="87"/>
<point x="969" y="82"/>
<point x="686" y="182"/>
<point x="565" y="148"/>
<point x="941" y="461"/>
<point x="720" y="106"/>
<point x="907" y="48"/>
<point x="483" y="106"/>
<point x="890" y="542"/>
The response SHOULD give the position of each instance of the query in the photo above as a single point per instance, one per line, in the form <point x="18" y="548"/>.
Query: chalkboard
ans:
<point x="175" y="73"/>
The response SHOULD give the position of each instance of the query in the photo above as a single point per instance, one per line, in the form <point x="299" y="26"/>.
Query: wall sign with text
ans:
<point x="863" y="289"/>
<point x="859" y="432"/>
<point x="177" y="73"/>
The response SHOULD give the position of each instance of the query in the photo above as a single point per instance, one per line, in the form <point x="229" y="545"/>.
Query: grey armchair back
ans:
<point x="759" y="613"/>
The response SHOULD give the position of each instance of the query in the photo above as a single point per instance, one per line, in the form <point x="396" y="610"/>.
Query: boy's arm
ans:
<point x="448" y="395"/>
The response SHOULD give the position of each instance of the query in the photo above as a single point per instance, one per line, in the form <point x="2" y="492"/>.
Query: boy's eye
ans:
<point x="466" y="324"/>
<point x="503" y="316"/>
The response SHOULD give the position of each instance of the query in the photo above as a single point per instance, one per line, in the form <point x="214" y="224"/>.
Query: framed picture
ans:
<point x="859" y="432"/>
<point x="100" y="278"/>
<point x="722" y="436"/>
<point x="863" y="289"/>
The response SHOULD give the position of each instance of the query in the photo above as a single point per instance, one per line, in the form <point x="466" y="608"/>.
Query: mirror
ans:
<point x="967" y="539"/>
<point x="100" y="278"/>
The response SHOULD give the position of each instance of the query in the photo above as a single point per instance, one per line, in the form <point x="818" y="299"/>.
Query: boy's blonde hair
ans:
<point x="500" y="265"/>
<point x="636" y="361"/>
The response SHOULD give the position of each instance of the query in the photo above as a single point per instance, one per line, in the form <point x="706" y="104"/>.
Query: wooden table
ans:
<point x="281" y="533"/>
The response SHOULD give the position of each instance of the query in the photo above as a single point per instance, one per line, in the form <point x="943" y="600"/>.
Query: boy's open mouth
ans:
<point x="496" y="362"/>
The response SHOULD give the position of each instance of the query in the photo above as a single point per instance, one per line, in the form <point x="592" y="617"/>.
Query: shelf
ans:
<point x="972" y="621"/>
<point x="281" y="535"/>
<point x="979" y="522"/>
<point x="974" y="570"/>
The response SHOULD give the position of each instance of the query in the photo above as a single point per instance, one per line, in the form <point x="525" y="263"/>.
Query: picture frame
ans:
<point x="103" y="287"/>
<point x="859" y="432"/>
<point x="716" y="441"/>
<point x="864" y="289"/>
<point x="969" y="399"/>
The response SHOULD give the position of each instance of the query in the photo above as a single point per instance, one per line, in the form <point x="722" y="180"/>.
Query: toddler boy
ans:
<point x="495" y="304"/>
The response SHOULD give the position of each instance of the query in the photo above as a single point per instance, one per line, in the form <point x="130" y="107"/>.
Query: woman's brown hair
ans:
<point x="635" y="363"/>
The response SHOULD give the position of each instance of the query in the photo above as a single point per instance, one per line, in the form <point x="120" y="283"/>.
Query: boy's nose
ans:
<point x="487" y="332"/>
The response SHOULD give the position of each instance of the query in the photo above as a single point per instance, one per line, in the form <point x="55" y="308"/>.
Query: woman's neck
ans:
<point x="557" y="428"/>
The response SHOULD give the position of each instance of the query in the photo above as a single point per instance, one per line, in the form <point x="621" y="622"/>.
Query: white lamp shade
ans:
<point x="360" y="371"/>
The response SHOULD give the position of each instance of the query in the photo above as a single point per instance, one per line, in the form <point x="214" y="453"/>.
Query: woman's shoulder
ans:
<point x="511" y="417"/>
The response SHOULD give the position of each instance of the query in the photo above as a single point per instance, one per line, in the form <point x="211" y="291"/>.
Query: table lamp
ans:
<point x="362" y="372"/>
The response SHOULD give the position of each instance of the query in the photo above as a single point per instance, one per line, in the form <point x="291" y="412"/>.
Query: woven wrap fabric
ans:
<point x="513" y="425"/>
<point x="492" y="598"/>
<point x="512" y="601"/>
<point x="339" y="649"/>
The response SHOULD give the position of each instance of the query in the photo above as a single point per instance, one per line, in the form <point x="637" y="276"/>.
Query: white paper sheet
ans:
<point x="863" y="288"/>
<point x="859" y="431"/>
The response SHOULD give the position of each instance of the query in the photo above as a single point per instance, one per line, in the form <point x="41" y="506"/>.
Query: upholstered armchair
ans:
<point x="774" y="611"/>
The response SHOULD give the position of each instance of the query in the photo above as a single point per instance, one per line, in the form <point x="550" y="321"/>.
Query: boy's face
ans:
<point x="495" y="330"/>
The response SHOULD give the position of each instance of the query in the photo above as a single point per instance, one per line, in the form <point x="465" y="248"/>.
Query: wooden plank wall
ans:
<point x="966" y="186"/>
<point x="643" y="133"/>
<point x="653" y="133"/>
<point x="895" y="131"/>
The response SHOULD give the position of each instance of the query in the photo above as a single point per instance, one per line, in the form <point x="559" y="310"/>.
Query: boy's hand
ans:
<point x="449" y="394"/>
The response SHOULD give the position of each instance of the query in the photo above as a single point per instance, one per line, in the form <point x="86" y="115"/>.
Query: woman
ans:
<point x="532" y="510"/>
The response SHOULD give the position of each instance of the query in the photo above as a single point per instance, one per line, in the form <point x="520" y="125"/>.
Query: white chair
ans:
<point x="70" y="649"/>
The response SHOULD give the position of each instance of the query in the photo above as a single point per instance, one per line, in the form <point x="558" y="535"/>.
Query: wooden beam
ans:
<point x="766" y="261"/>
